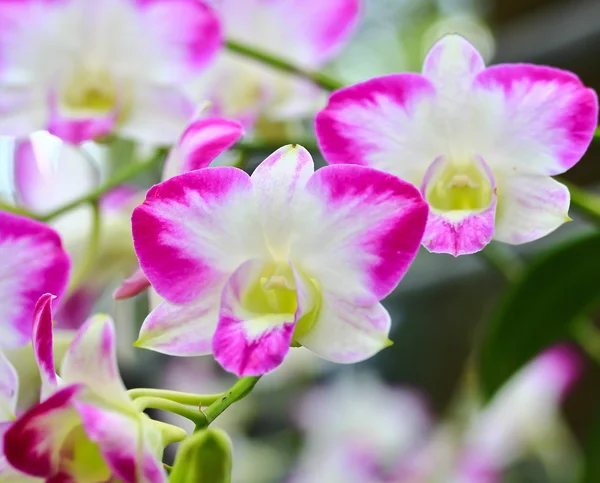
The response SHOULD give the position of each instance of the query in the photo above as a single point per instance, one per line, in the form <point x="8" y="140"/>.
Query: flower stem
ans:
<point x="187" y="412"/>
<point x="127" y="173"/>
<point x="176" y="396"/>
<point x="584" y="201"/>
<point x="237" y="392"/>
<point x="17" y="210"/>
<point x="318" y="78"/>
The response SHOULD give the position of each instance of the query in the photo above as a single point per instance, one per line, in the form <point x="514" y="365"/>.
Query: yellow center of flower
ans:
<point x="459" y="186"/>
<point x="82" y="458"/>
<point x="90" y="90"/>
<point x="275" y="293"/>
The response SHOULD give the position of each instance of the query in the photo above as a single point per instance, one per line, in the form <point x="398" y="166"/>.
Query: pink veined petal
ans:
<point x="346" y="333"/>
<point x="182" y="330"/>
<point x="541" y="120"/>
<point x="34" y="263"/>
<point x="9" y="390"/>
<point x="49" y="173"/>
<point x="276" y="181"/>
<point x="459" y="232"/>
<point x="92" y="360"/>
<point x="200" y="144"/>
<point x="43" y="344"/>
<point x="357" y="230"/>
<point x="194" y="230"/>
<point x="77" y="307"/>
<point x="124" y="442"/>
<point x="530" y="207"/>
<point x="321" y="29"/>
<point x="32" y="444"/>
<point x="157" y="115"/>
<point x="132" y="286"/>
<point x="451" y="65"/>
<point x="190" y="29"/>
<point x="76" y="130"/>
<point x="249" y="343"/>
<point x="384" y="123"/>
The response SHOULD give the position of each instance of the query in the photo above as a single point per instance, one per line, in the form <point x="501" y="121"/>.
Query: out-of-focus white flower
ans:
<point x="357" y="429"/>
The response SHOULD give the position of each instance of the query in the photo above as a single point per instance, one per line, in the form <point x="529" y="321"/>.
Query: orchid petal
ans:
<point x="451" y="65"/>
<point x="33" y="442"/>
<point x="540" y="120"/>
<point x="184" y="330"/>
<point x="126" y="443"/>
<point x="530" y="207"/>
<point x="346" y="333"/>
<point x="190" y="29"/>
<point x="384" y="123"/>
<point x="357" y="231"/>
<point x="200" y="144"/>
<point x="275" y="183"/>
<point x="92" y="360"/>
<point x="76" y="130"/>
<point x="185" y="260"/>
<point x="132" y="286"/>
<point x="49" y="173"/>
<point x="23" y="277"/>
<point x="43" y="344"/>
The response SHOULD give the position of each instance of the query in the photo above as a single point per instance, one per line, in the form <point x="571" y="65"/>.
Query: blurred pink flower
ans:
<point x="307" y="33"/>
<point x="247" y="265"/>
<point x="481" y="143"/>
<point x="83" y="69"/>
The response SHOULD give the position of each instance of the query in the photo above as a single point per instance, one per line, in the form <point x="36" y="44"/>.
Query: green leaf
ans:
<point x="543" y="307"/>
<point x="204" y="457"/>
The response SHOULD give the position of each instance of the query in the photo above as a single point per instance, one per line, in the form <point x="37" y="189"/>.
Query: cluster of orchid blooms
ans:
<point x="245" y="267"/>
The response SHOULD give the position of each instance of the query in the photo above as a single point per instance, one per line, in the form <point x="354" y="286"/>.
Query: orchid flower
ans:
<point x="86" y="428"/>
<point x="250" y="265"/>
<point x="33" y="262"/>
<point x="84" y="69"/>
<point x="342" y="447"/>
<point x="50" y="173"/>
<point x="243" y="89"/>
<point x="480" y="143"/>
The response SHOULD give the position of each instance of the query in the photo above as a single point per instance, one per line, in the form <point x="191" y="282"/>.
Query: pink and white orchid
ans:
<point x="250" y="265"/>
<point x="86" y="428"/>
<point x="33" y="262"/>
<point x="481" y="143"/>
<point x="244" y="89"/>
<point x="84" y="69"/>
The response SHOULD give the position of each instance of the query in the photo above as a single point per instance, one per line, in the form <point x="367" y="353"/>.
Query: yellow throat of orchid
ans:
<point x="459" y="187"/>
<point x="89" y="90"/>
<point x="274" y="293"/>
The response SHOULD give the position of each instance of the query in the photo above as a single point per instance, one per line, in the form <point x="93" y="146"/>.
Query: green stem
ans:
<point x="17" y="210"/>
<point x="127" y="173"/>
<point x="237" y="392"/>
<point x="187" y="412"/>
<point x="320" y="79"/>
<point x="87" y="262"/>
<point x="176" y="396"/>
<point x="584" y="201"/>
